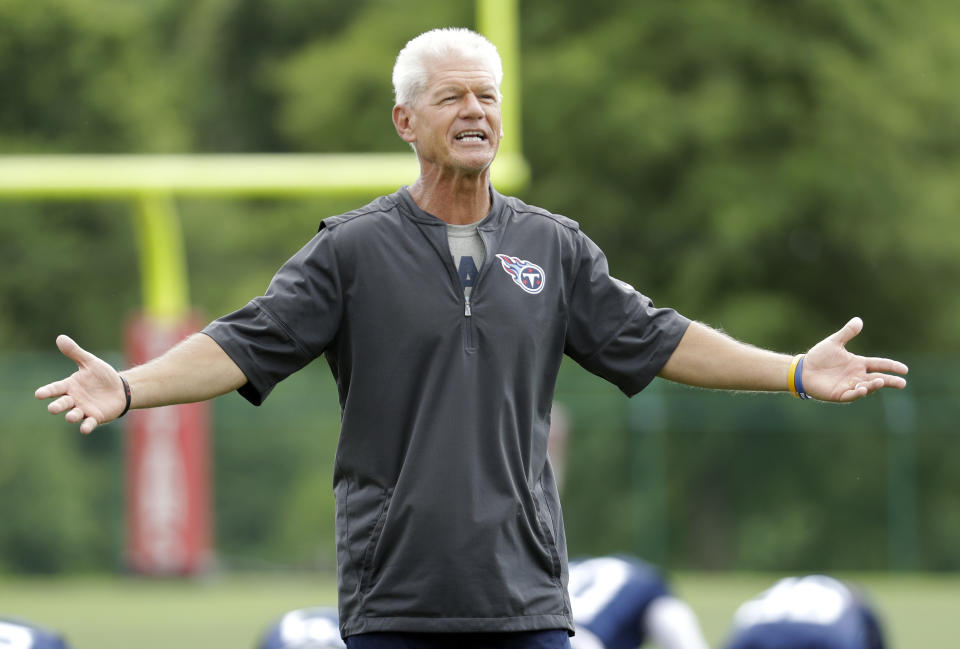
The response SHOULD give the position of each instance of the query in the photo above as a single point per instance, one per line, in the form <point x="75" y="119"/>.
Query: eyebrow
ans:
<point x="457" y="88"/>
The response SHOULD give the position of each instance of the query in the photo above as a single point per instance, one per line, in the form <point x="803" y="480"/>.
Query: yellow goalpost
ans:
<point x="152" y="182"/>
<point x="168" y="520"/>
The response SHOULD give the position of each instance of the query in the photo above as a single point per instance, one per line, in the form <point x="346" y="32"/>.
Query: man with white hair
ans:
<point x="444" y="311"/>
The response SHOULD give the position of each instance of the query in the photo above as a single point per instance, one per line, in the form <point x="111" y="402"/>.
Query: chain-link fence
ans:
<point x="688" y="478"/>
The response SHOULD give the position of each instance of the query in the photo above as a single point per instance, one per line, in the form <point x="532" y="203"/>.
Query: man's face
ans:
<point x="455" y="123"/>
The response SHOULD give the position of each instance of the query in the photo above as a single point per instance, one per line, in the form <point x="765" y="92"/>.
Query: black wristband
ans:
<point x="126" y="393"/>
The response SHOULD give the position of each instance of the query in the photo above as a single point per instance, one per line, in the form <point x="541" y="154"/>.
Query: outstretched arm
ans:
<point x="708" y="358"/>
<point x="196" y="369"/>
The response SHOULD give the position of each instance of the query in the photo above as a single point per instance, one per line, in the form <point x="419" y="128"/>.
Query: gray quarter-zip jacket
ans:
<point x="448" y="517"/>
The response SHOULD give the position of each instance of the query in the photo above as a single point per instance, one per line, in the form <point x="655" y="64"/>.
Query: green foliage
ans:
<point x="770" y="168"/>
<point x="56" y="505"/>
<point x="761" y="482"/>
<point x="336" y="94"/>
<point x="68" y="267"/>
<point x="84" y="76"/>
<point x="755" y="482"/>
<point x="226" y="50"/>
<point x="800" y="153"/>
<point x="273" y="486"/>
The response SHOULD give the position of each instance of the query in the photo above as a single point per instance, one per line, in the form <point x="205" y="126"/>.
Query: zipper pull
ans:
<point x="466" y="307"/>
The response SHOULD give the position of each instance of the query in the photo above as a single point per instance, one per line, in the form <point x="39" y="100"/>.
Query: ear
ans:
<point x="403" y="121"/>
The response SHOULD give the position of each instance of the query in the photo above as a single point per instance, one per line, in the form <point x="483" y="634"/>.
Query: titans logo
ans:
<point x="525" y="274"/>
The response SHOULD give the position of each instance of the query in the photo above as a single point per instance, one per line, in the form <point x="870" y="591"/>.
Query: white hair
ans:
<point x="411" y="70"/>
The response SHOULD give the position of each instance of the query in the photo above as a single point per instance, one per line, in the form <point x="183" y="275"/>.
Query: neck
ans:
<point x="457" y="200"/>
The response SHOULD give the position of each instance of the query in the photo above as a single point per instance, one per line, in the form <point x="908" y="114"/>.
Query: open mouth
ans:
<point x="470" y="136"/>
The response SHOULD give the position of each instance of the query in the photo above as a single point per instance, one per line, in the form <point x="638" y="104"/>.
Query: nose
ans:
<point x="471" y="106"/>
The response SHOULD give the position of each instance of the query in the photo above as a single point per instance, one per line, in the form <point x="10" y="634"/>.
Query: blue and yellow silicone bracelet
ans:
<point x="795" y="377"/>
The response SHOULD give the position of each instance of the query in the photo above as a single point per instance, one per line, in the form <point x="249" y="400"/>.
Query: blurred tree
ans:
<point x="771" y="168"/>
<point x="86" y="76"/>
<point x="67" y="267"/>
<point x="56" y="504"/>
<point x="336" y="94"/>
<point x="78" y="76"/>
<point x="227" y="50"/>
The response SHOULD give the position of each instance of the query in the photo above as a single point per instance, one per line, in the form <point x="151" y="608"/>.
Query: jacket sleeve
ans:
<point x="280" y="332"/>
<point x="613" y="330"/>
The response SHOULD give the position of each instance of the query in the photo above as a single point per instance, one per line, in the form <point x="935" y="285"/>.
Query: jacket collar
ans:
<point x="412" y="211"/>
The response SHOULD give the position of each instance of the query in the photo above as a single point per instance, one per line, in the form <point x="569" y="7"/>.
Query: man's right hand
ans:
<point x="91" y="396"/>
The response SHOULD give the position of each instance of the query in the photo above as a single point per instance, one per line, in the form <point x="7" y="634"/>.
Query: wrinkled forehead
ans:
<point x="459" y="69"/>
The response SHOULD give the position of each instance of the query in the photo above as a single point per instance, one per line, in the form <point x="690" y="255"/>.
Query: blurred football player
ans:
<point x="306" y="628"/>
<point x="621" y="602"/>
<point x="618" y="603"/>
<point x="811" y="612"/>
<point x="18" y="634"/>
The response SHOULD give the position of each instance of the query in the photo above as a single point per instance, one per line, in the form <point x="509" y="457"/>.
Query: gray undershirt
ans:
<point x="467" y="249"/>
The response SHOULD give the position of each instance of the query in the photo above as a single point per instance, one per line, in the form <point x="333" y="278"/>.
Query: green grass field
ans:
<point x="230" y="611"/>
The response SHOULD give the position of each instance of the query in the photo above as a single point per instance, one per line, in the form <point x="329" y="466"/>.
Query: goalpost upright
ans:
<point x="168" y="494"/>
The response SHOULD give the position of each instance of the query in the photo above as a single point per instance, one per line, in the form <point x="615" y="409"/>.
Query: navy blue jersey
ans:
<point x="610" y="597"/>
<point x="305" y="628"/>
<point x="22" y="635"/>
<point x="812" y="612"/>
